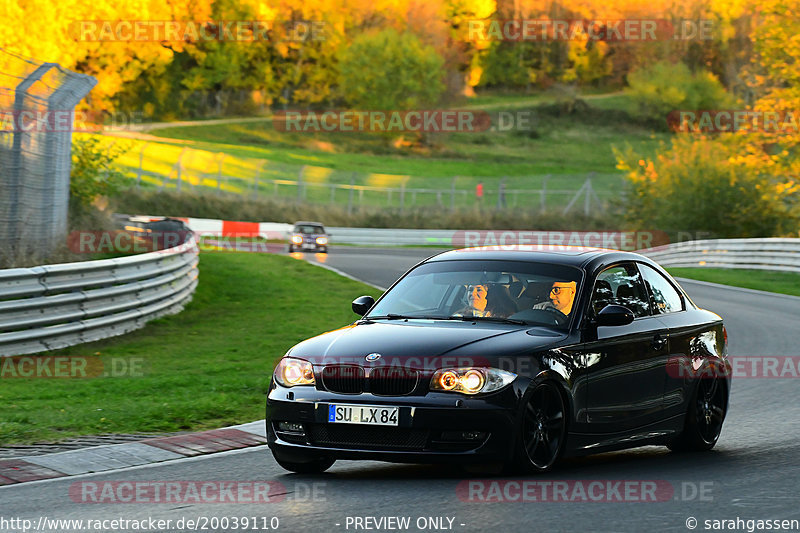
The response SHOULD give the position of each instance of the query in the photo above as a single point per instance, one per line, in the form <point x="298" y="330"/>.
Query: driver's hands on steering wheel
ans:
<point x="559" y="318"/>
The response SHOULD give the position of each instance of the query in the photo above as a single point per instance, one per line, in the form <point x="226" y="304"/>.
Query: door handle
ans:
<point x="659" y="342"/>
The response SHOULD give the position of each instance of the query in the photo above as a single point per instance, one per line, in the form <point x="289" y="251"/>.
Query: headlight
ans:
<point x="297" y="239"/>
<point x="322" y="241"/>
<point x="470" y="380"/>
<point x="291" y="372"/>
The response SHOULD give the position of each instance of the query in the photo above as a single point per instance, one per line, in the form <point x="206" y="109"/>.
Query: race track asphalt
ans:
<point x="752" y="473"/>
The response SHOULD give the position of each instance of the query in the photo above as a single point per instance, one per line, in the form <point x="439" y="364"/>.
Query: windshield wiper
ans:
<point x="490" y="319"/>
<point x="394" y="316"/>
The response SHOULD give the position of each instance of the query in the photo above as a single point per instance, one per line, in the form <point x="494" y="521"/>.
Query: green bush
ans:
<point x="693" y="186"/>
<point x="664" y="87"/>
<point x="92" y="172"/>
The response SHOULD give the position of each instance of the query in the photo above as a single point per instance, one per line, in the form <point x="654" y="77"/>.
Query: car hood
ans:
<point x="424" y="344"/>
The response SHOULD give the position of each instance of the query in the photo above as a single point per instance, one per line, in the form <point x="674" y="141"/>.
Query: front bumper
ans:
<point x="436" y="427"/>
<point x="307" y="245"/>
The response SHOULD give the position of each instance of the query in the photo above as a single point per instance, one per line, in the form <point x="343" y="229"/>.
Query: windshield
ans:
<point x="309" y="230"/>
<point x="534" y="293"/>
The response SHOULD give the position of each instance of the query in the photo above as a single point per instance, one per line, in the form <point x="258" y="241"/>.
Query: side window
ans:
<point x="664" y="298"/>
<point x="620" y="285"/>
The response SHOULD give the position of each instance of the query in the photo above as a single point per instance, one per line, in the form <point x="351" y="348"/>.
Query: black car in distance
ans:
<point x="512" y="356"/>
<point x="308" y="237"/>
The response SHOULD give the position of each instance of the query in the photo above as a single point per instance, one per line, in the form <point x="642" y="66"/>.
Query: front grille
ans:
<point x="348" y="379"/>
<point x="392" y="381"/>
<point x="359" y="436"/>
<point x="383" y="381"/>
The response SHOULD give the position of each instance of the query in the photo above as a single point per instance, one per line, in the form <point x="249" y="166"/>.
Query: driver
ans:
<point x="562" y="296"/>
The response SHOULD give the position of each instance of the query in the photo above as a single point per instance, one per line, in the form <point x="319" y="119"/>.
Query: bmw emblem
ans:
<point x="373" y="357"/>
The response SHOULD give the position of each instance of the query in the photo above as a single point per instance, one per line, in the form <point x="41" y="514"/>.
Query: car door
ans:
<point x="689" y="334"/>
<point x="625" y="366"/>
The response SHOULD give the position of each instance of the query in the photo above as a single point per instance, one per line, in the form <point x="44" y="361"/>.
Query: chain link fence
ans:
<point x="37" y="102"/>
<point x="155" y="165"/>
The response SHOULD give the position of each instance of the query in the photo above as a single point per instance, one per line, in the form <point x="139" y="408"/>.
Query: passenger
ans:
<point x="477" y="302"/>
<point x="562" y="296"/>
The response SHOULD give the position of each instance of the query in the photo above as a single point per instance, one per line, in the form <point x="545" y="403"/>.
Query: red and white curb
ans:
<point x="114" y="456"/>
<point x="227" y="228"/>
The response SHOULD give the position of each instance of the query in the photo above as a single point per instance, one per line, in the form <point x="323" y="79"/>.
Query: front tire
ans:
<point x="704" y="417"/>
<point x="542" y="431"/>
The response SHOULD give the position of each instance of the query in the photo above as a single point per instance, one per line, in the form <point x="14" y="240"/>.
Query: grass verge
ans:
<point x="762" y="280"/>
<point x="557" y="151"/>
<point x="206" y="367"/>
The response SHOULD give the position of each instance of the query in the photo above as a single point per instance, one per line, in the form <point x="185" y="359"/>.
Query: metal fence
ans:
<point x="190" y="169"/>
<point x="37" y="102"/>
<point x="54" y="306"/>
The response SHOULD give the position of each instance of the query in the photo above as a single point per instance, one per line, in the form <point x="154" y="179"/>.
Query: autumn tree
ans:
<point x="389" y="70"/>
<point x="739" y="183"/>
<point x="665" y="87"/>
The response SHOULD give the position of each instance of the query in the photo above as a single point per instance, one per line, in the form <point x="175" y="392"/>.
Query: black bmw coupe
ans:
<point x="507" y="356"/>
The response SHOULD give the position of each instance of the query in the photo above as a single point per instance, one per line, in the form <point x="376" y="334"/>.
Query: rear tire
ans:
<point x="704" y="417"/>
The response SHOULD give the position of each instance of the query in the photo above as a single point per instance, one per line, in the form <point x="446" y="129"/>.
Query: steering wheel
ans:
<point x="559" y="318"/>
<point x="548" y="316"/>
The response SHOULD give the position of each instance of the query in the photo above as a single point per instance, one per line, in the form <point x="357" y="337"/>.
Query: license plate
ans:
<point x="309" y="246"/>
<point x="362" y="414"/>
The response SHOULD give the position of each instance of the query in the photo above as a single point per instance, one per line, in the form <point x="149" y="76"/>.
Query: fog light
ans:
<point x="291" y="427"/>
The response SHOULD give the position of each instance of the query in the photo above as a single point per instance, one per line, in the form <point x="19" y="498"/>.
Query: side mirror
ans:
<point x="614" y="315"/>
<point x="362" y="304"/>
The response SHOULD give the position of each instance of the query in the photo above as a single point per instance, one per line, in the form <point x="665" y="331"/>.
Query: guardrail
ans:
<point x="757" y="254"/>
<point x="782" y="254"/>
<point x="55" y="306"/>
<point x="389" y="237"/>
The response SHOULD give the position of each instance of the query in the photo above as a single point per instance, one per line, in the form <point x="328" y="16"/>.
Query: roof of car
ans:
<point x="561" y="254"/>
<point x="306" y="223"/>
